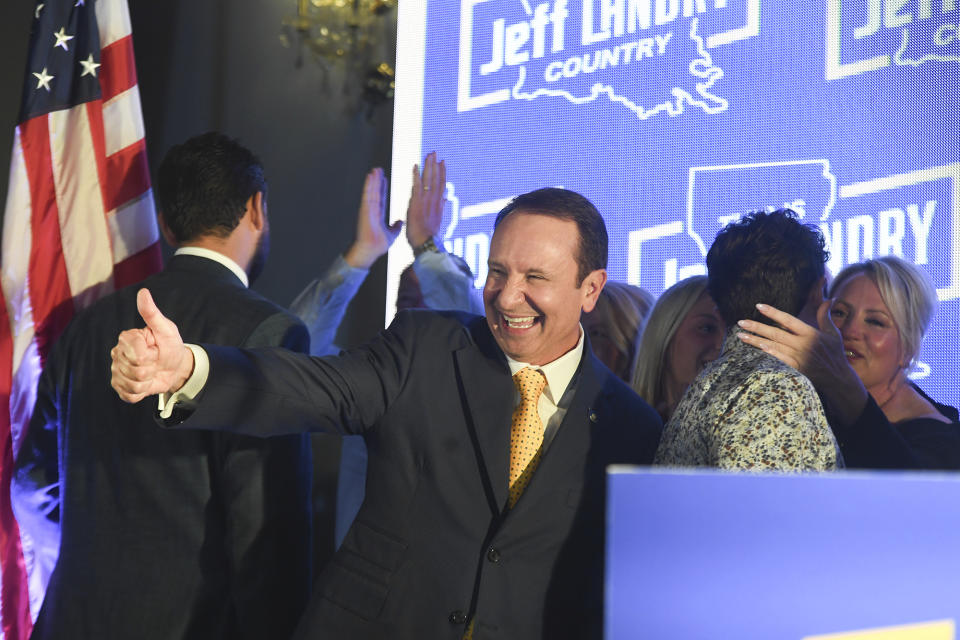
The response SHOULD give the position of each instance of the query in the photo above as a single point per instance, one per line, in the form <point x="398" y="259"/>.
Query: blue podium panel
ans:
<point x="707" y="554"/>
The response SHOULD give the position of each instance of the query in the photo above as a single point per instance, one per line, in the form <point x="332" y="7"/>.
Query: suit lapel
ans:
<point x="487" y="391"/>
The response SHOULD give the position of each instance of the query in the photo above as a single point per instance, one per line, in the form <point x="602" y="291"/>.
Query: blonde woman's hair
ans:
<point x="621" y="309"/>
<point x="651" y="357"/>
<point x="907" y="292"/>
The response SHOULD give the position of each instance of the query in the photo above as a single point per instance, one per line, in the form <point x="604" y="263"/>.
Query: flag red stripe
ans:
<point x="6" y="374"/>
<point x="118" y="70"/>
<point x="95" y="118"/>
<point x="138" y="266"/>
<point x="50" y="296"/>
<point x="127" y="175"/>
<point x="15" y="603"/>
<point x="15" y="610"/>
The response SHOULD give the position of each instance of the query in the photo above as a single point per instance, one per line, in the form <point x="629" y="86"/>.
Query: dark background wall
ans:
<point x="214" y="64"/>
<point x="219" y="64"/>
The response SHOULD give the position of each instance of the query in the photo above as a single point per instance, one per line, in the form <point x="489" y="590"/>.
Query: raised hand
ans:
<point x="374" y="235"/>
<point x="816" y="352"/>
<point x="151" y="360"/>
<point x="425" y="209"/>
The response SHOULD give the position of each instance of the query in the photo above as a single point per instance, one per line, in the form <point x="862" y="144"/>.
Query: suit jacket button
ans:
<point x="493" y="555"/>
<point x="458" y="617"/>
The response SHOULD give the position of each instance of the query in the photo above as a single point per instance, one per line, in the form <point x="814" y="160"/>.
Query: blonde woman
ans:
<point x="859" y="359"/>
<point x="682" y="334"/>
<point x="615" y="323"/>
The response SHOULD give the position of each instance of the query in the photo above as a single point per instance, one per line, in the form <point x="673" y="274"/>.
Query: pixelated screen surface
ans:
<point x="677" y="116"/>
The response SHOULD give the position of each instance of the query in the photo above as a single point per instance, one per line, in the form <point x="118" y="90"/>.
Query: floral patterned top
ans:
<point x="749" y="411"/>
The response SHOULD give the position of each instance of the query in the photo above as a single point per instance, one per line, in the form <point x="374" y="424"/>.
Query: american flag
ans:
<point x="79" y="222"/>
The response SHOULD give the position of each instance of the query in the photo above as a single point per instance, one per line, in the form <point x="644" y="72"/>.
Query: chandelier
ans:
<point x="352" y="41"/>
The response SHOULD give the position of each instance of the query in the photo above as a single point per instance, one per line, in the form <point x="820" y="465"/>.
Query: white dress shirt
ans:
<point x="552" y="407"/>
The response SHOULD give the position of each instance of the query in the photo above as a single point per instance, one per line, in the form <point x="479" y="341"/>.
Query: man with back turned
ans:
<point x="747" y="410"/>
<point x="189" y="535"/>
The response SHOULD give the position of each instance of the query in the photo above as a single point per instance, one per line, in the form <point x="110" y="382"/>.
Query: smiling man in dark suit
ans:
<point x="190" y="535"/>
<point x="488" y="439"/>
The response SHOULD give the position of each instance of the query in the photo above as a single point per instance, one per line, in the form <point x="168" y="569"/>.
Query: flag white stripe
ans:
<point x="23" y="388"/>
<point x="25" y="366"/>
<point x="126" y="124"/>
<point x="87" y="254"/>
<point x="132" y="227"/>
<point x="23" y="395"/>
<point x="113" y="21"/>
<point x="17" y="241"/>
<point x="15" y="253"/>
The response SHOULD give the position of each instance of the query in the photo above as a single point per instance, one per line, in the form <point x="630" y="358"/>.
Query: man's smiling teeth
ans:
<point x="519" y="323"/>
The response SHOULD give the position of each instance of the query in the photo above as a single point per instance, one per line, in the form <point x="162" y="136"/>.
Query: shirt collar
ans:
<point x="216" y="256"/>
<point x="731" y="342"/>
<point x="558" y="373"/>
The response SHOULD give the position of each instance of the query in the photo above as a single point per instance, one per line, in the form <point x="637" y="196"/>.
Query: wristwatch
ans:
<point x="428" y="245"/>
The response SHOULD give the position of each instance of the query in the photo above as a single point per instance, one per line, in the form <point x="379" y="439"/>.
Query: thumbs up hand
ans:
<point x="151" y="360"/>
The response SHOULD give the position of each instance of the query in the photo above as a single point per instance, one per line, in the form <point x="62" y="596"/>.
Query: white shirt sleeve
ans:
<point x="191" y="388"/>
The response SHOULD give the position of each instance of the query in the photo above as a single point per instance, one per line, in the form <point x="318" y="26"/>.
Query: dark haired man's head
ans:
<point x="766" y="257"/>
<point x="547" y="266"/>
<point x="567" y="205"/>
<point x="204" y="184"/>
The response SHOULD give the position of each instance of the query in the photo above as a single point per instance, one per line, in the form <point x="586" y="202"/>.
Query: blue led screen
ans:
<point x="676" y="116"/>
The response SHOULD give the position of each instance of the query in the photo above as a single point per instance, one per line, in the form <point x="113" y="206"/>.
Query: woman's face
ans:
<point x="870" y="337"/>
<point x="696" y="342"/>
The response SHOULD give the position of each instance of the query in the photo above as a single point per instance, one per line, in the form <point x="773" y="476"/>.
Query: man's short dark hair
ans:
<point x="764" y="257"/>
<point x="567" y="205"/>
<point x="203" y="186"/>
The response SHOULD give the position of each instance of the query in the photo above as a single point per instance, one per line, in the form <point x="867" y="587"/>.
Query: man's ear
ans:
<point x="591" y="287"/>
<point x="165" y="230"/>
<point x="815" y="297"/>
<point x="257" y="210"/>
<point x="818" y="293"/>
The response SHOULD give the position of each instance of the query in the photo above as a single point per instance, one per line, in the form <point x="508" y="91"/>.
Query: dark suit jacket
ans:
<point x="873" y="442"/>
<point x="165" y="535"/>
<point x="432" y="545"/>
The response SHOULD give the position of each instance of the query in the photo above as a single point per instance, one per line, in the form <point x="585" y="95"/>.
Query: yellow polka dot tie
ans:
<point x="526" y="431"/>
